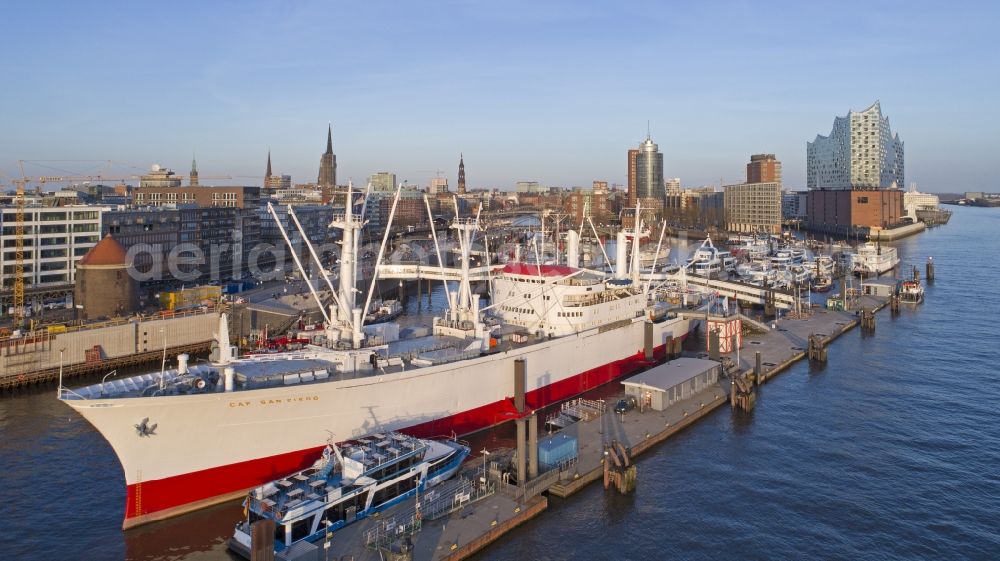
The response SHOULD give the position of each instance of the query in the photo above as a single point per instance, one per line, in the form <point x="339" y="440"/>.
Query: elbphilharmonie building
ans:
<point x="860" y="153"/>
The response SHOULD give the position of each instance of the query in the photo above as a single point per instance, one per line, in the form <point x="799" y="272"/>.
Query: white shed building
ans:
<point x="673" y="381"/>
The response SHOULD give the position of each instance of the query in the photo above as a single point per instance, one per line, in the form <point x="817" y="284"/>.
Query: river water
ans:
<point x="890" y="451"/>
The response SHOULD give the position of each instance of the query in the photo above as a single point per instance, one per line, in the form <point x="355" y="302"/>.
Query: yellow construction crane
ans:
<point x="19" y="311"/>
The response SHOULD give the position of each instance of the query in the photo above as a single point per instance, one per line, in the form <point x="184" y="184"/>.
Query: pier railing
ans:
<point x="436" y="503"/>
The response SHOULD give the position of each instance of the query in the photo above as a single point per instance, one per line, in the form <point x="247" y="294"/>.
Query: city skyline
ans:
<point x="552" y="93"/>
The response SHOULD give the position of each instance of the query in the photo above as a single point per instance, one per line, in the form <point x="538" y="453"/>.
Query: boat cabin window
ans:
<point x="279" y="533"/>
<point x="301" y="529"/>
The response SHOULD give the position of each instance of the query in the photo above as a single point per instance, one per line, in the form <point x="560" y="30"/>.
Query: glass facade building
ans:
<point x="860" y="153"/>
<point x="649" y="172"/>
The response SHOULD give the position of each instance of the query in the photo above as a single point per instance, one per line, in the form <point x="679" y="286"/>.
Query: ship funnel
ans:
<point x="573" y="249"/>
<point x="222" y="338"/>
<point x="621" y="255"/>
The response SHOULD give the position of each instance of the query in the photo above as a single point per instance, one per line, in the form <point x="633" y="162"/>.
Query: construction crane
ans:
<point x="101" y="178"/>
<point x="436" y="172"/>
<point x="19" y="311"/>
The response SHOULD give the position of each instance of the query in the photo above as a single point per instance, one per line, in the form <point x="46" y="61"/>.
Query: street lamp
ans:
<point x="485" y="454"/>
<point x="59" y="391"/>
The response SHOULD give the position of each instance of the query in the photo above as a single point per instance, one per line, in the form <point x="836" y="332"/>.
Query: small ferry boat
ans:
<point x="369" y="475"/>
<point x="911" y="292"/>
<point x="873" y="259"/>
<point x="383" y="311"/>
<point x="706" y="262"/>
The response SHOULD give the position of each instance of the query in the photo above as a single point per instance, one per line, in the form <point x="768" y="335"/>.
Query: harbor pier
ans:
<point x="761" y="357"/>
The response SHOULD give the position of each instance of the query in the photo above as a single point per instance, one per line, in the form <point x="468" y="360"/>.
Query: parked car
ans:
<point x="625" y="405"/>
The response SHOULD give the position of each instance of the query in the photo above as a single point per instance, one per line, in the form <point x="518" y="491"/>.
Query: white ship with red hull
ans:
<point x="194" y="436"/>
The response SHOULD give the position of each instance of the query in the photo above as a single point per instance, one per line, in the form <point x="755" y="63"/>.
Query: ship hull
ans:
<point x="211" y="448"/>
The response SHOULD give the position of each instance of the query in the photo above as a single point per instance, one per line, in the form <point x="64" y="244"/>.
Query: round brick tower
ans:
<point x="103" y="286"/>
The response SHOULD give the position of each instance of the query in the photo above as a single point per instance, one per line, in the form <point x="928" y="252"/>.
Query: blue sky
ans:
<point x="548" y="91"/>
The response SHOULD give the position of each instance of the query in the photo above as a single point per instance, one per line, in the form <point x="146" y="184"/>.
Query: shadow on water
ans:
<point x="205" y="532"/>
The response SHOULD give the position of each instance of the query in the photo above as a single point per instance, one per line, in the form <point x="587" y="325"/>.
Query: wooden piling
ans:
<point x="867" y="319"/>
<point x="817" y="349"/>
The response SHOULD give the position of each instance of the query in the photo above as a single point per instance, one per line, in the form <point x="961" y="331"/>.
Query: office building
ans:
<point x="633" y="155"/>
<point x="54" y="239"/>
<point x="753" y="208"/>
<point x="764" y="168"/>
<point x="594" y="203"/>
<point x="438" y="185"/>
<point x="223" y="236"/>
<point x="314" y="218"/>
<point x="299" y="194"/>
<point x="530" y="187"/>
<point x="382" y="181"/>
<point x="793" y="205"/>
<point x="159" y="176"/>
<point x="649" y="172"/>
<point x="860" y="153"/>
<point x="233" y="196"/>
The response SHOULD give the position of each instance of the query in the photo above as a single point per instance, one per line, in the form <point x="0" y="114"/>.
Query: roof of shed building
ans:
<point x="670" y="374"/>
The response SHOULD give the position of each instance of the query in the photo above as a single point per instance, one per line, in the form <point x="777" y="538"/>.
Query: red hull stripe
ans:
<point x="150" y="497"/>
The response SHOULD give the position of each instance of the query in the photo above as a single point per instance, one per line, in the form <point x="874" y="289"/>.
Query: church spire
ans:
<point x="193" y="177"/>
<point x="461" y="174"/>
<point x="328" y="162"/>
<point x="267" y="174"/>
